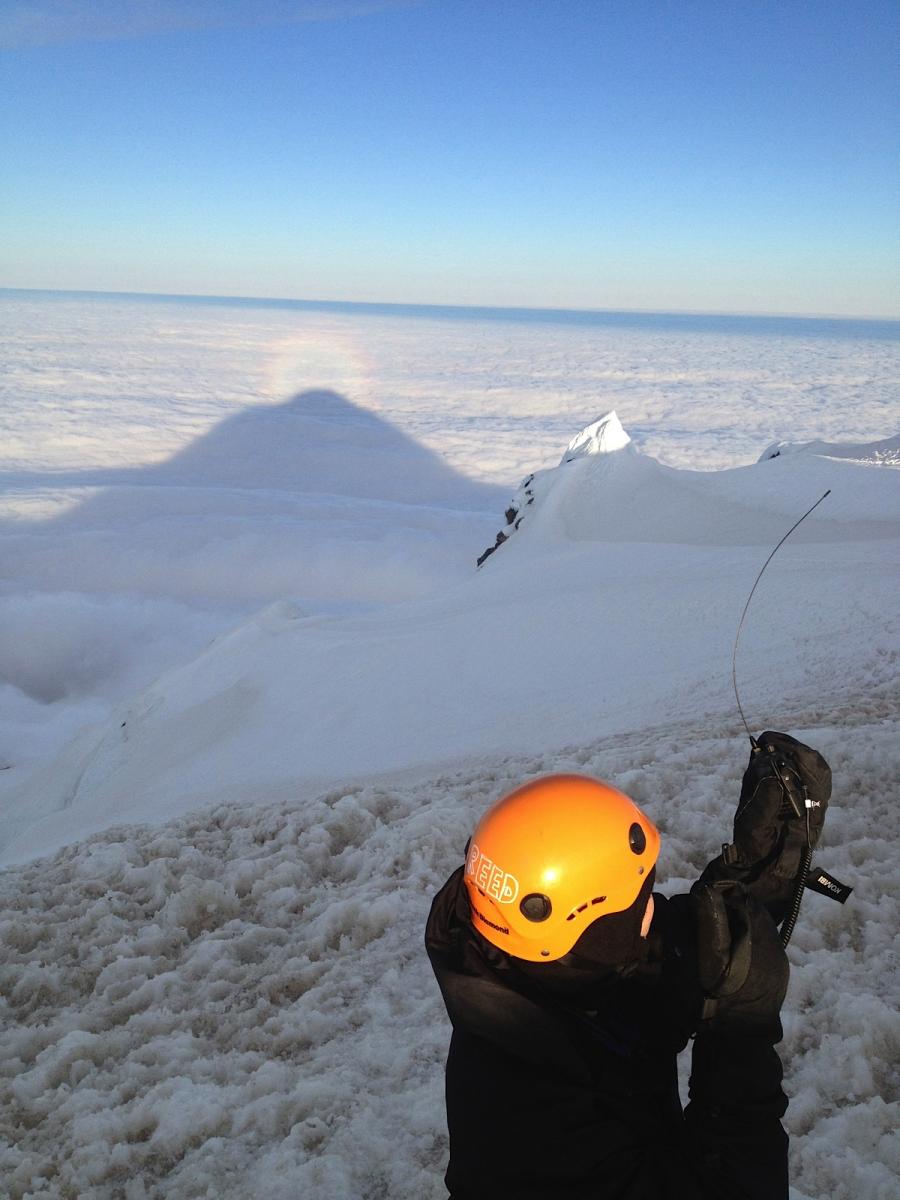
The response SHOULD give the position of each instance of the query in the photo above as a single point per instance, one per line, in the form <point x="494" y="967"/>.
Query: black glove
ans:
<point x="781" y="776"/>
<point x="742" y="968"/>
<point x="784" y="781"/>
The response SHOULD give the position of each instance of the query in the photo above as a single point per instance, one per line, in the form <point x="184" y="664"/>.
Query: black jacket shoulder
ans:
<point x="546" y="1098"/>
<point x="549" y="1099"/>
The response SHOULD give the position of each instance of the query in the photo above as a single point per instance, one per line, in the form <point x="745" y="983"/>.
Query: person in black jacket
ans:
<point x="572" y="987"/>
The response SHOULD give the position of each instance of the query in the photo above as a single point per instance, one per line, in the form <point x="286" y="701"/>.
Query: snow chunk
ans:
<point x="603" y="436"/>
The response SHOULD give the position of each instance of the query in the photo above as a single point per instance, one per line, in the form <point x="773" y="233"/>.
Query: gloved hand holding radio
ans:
<point x="786" y="784"/>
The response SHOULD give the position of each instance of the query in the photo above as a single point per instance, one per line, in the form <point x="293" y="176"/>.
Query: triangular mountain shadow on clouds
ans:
<point x="314" y="499"/>
<point x="318" y="442"/>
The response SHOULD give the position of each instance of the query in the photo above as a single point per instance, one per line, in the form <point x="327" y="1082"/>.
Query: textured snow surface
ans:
<point x="238" y="1004"/>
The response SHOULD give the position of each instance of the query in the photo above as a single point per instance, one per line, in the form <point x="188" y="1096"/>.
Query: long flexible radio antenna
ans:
<point x="753" y="741"/>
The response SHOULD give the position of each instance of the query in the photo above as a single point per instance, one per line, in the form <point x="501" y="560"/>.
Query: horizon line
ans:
<point x="462" y="309"/>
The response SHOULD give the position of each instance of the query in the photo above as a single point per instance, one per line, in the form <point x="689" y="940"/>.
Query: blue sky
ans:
<point x="696" y="155"/>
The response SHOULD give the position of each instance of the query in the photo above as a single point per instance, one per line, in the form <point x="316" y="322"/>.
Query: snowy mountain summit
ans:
<point x="605" y="489"/>
<point x="603" y="436"/>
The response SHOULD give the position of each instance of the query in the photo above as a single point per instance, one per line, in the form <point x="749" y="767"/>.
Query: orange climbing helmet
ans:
<point x="553" y="857"/>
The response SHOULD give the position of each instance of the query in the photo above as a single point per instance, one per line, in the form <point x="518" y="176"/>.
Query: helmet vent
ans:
<point x="581" y="908"/>
<point x="637" y="839"/>
<point x="535" y="906"/>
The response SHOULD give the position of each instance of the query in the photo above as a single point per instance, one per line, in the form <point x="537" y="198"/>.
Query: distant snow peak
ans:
<point x="603" y="436"/>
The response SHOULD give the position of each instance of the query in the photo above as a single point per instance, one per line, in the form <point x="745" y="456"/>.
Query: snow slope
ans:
<point x="111" y="574"/>
<point x="238" y="1003"/>
<point x="614" y="606"/>
<point x="157" y="466"/>
<point x="232" y="1000"/>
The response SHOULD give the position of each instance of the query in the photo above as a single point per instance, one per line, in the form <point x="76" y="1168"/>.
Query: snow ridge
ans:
<point x="883" y="453"/>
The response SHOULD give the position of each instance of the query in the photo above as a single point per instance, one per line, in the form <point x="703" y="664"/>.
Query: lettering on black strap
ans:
<point x="826" y="885"/>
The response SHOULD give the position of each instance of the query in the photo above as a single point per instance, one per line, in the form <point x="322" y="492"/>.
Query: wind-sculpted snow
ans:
<point x="238" y="1003"/>
<point x="883" y="453"/>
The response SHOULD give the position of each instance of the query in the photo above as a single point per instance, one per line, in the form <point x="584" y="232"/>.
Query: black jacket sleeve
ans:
<point x="733" y="1121"/>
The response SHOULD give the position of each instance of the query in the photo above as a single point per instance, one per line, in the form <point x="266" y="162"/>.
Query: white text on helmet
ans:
<point x="490" y="878"/>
